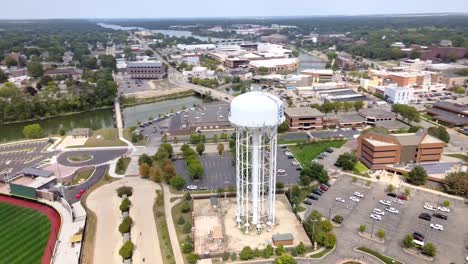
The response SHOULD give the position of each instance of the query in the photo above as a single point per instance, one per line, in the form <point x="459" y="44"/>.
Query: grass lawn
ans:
<point x="176" y="214"/>
<point x="108" y="137"/>
<point x="428" y="117"/>
<point x="127" y="134"/>
<point x="80" y="158"/>
<point x="304" y="153"/>
<point x="380" y="256"/>
<point x="360" y="168"/>
<point x="458" y="156"/>
<point x="163" y="232"/>
<point x="23" y="234"/>
<point x="82" y="176"/>
<point x="291" y="141"/>
<point x="126" y="161"/>
<point x="321" y="254"/>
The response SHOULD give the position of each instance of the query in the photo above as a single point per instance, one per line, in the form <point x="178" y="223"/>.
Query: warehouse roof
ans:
<point x="35" y="172"/>
<point x="302" y="112"/>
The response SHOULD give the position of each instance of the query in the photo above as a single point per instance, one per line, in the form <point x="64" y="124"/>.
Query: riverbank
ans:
<point x="136" y="99"/>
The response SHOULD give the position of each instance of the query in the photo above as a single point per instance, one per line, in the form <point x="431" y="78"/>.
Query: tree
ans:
<point x="263" y="70"/>
<point x="329" y="240"/>
<point x="346" y="161"/>
<point x="169" y="170"/>
<point x="35" y="69"/>
<point x="457" y="183"/>
<point x="326" y="226"/>
<point x="446" y="203"/>
<point x="285" y="259"/>
<point x="407" y="112"/>
<point x="300" y="248"/>
<point x="268" y="251"/>
<point x="10" y="61"/>
<point x="296" y="53"/>
<point x="279" y="250"/>
<point x="144" y="170"/>
<point x="187" y="228"/>
<point x="200" y="148"/>
<point x="126" y="251"/>
<point x="156" y="174"/>
<point x="144" y="158"/>
<point x="126" y="224"/>
<point x="304" y="180"/>
<point x="408" y="241"/>
<point x="315" y="215"/>
<point x="33" y="131"/>
<point x="283" y="127"/>
<point x="149" y="53"/>
<point x="439" y="132"/>
<point x="381" y="233"/>
<point x="220" y="149"/>
<point x="127" y="190"/>
<point x="338" y="219"/>
<point x="459" y="90"/>
<point x="358" y="105"/>
<point x="192" y="258"/>
<point x="407" y="191"/>
<point x="178" y="182"/>
<point x="108" y="61"/>
<point x="187" y="247"/>
<point x="414" y="129"/>
<point x="3" y="76"/>
<point x="362" y="228"/>
<point x="233" y="256"/>
<point x="417" y="176"/>
<point x="195" y="169"/>
<point x="125" y="205"/>
<point x="390" y="188"/>
<point x="246" y="253"/>
<point x="429" y="249"/>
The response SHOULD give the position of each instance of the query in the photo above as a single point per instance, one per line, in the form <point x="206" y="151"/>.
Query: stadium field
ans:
<point x="28" y="231"/>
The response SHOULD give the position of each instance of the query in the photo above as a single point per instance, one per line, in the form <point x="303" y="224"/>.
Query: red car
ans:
<point x="402" y="197"/>
<point x="78" y="196"/>
<point x="323" y="187"/>
<point x="82" y="191"/>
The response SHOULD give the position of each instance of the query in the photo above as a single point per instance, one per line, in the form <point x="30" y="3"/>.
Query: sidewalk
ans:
<point x="179" y="259"/>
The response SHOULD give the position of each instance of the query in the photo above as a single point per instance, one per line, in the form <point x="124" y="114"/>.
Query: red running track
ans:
<point x="54" y="218"/>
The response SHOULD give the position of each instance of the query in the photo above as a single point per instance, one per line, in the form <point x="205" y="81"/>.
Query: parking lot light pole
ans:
<point x="372" y="229"/>
<point x="329" y="213"/>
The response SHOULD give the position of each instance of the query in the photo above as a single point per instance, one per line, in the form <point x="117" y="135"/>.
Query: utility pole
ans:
<point x="372" y="229"/>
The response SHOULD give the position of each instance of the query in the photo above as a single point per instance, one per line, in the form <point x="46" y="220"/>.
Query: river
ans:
<point x="98" y="119"/>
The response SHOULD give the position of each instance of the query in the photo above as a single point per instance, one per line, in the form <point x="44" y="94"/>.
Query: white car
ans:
<point x="385" y="202"/>
<point x="340" y="199"/>
<point x="392" y="210"/>
<point x="376" y="217"/>
<point x="429" y="207"/>
<point x="378" y="211"/>
<point x="192" y="187"/>
<point x="354" y="198"/>
<point x="443" y="209"/>
<point x="281" y="171"/>
<point x="398" y="201"/>
<point x="358" y="194"/>
<point x="295" y="163"/>
<point x="437" y="227"/>
<point x="288" y="153"/>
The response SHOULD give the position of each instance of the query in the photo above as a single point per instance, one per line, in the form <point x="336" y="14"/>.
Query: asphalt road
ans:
<point x="99" y="157"/>
<point x="70" y="192"/>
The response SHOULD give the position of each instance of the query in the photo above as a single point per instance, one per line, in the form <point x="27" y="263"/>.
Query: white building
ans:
<point x="400" y="45"/>
<point x="196" y="47"/>
<point x="199" y="72"/>
<point x="398" y="95"/>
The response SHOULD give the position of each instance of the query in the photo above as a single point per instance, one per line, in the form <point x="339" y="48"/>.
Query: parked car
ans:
<point x="281" y="171"/>
<point x="313" y="197"/>
<point x="429" y="207"/>
<point x="192" y="187"/>
<point x="437" y="227"/>
<point x="329" y="150"/>
<point x="317" y="192"/>
<point x="402" y="197"/>
<point x="308" y="202"/>
<point x="323" y="187"/>
<point x="378" y="211"/>
<point x="398" y="201"/>
<point x="340" y="199"/>
<point x="385" y="202"/>
<point x="418" y="236"/>
<point x="440" y="216"/>
<point x="354" y="198"/>
<point x="425" y="216"/>
<point x="392" y="210"/>
<point x="392" y="194"/>
<point x="376" y="217"/>
<point x="358" y="194"/>
<point x="443" y="209"/>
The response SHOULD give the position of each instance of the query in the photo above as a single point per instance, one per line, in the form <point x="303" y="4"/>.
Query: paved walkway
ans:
<point x="105" y="203"/>
<point x="170" y="223"/>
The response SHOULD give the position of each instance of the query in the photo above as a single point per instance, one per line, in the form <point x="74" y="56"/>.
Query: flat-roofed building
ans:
<point x="146" y="70"/>
<point x="319" y="75"/>
<point x="455" y="114"/>
<point x="377" y="150"/>
<point x="398" y="95"/>
<point x="303" y="118"/>
<point x="285" y="65"/>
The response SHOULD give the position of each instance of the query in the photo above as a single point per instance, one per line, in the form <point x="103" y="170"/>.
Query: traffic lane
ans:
<point x="71" y="192"/>
<point x="285" y="163"/>
<point x="99" y="157"/>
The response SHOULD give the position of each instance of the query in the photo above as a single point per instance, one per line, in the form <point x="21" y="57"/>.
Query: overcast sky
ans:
<point x="20" y="9"/>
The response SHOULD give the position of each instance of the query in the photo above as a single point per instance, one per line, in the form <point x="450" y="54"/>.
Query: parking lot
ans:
<point x="17" y="156"/>
<point x="450" y="243"/>
<point x="220" y="171"/>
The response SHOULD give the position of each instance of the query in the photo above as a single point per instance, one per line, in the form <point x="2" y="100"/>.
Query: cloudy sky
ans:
<point x="218" y="8"/>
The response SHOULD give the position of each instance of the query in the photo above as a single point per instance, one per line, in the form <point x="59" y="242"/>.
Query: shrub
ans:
<point x="346" y="161"/>
<point x="354" y="179"/>
<point x="362" y="228"/>
<point x="280" y="250"/>
<point x="381" y="233"/>
<point x="178" y="182"/>
<point x="408" y="241"/>
<point x="126" y="251"/>
<point x="338" y="219"/>
<point x="125" y="205"/>
<point x="326" y="226"/>
<point x="233" y="256"/>
<point x="187" y="247"/>
<point x="225" y="256"/>
<point x="279" y="185"/>
<point x="429" y="249"/>
<point x="192" y="258"/>
<point x="268" y="251"/>
<point x="329" y="240"/>
<point x="125" y="190"/>
<point x="285" y="259"/>
<point x="126" y="224"/>
<point x="181" y="220"/>
<point x="246" y="254"/>
<point x="446" y="203"/>
<point x="300" y="248"/>
<point x="257" y="253"/>
<point x="390" y="188"/>
<point x="186" y="207"/>
<point x="187" y="228"/>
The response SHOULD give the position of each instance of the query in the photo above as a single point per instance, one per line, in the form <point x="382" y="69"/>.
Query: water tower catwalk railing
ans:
<point x="256" y="181"/>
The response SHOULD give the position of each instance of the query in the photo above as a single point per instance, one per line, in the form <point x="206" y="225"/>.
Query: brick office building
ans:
<point x="146" y="70"/>
<point x="303" y="118"/>
<point x="377" y="151"/>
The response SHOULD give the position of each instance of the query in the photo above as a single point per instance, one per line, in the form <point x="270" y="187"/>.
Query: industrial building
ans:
<point x="454" y="114"/>
<point x="378" y="151"/>
<point x="146" y="70"/>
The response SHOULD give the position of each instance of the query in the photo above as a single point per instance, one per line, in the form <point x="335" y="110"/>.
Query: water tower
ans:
<point x="256" y="116"/>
